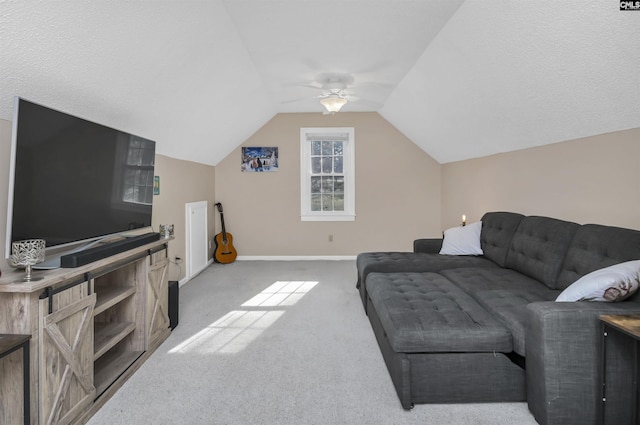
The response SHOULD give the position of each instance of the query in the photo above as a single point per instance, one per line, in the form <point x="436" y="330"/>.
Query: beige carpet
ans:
<point x="263" y="342"/>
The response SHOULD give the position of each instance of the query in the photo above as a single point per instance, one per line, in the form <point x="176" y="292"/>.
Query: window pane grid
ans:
<point x="138" y="186"/>
<point x="138" y="182"/>
<point x="327" y="175"/>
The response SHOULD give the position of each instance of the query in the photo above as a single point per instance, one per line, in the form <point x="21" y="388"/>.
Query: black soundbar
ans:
<point x="90" y="255"/>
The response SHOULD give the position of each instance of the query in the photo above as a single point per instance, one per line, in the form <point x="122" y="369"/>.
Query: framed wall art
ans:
<point x="259" y="159"/>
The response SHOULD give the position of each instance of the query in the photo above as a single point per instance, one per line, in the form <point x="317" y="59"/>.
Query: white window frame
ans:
<point x="331" y="133"/>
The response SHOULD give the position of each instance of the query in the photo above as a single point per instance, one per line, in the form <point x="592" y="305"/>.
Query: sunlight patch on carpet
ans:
<point x="281" y="293"/>
<point x="229" y="334"/>
<point x="234" y="331"/>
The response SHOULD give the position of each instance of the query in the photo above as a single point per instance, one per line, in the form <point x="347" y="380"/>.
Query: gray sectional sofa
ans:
<point x="458" y="329"/>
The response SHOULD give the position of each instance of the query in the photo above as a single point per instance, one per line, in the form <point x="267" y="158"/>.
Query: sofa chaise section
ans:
<point x="440" y="345"/>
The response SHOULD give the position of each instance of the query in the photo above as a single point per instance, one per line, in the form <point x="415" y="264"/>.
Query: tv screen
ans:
<point x="74" y="180"/>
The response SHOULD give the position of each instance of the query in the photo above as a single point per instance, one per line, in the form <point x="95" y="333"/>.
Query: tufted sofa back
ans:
<point x="595" y="246"/>
<point x="553" y="251"/>
<point x="539" y="246"/>
<point x="498" y="229"/>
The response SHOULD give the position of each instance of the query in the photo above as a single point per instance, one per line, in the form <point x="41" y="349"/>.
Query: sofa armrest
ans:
<point x="564" y="361"/>
<point x="428" y="246"/>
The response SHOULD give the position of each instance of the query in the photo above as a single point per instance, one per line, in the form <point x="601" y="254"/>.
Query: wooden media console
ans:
<point x="91" y="328"/>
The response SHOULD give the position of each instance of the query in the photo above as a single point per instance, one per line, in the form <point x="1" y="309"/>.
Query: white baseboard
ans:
<point x="295" y="257"/>
<point x="186" y="279"/>
<point x="281" y="258"/>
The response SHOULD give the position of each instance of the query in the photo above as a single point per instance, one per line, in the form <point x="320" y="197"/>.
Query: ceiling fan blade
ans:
<point x="371" y="103"/>
<point x="374" y="84"/>
<point x="306" y="84"/>
<point x="300" y="99"/>
<point x="332" y="77"/>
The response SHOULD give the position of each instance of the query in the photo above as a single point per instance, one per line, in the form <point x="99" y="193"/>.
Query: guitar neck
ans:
<point x="224" y="230"/>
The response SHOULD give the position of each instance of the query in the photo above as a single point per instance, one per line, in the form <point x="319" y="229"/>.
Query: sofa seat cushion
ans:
<point x="425" y="313"/>
<point x="476" y="279"/>
<point x="391" y="262"/>
<point x="510" y="306"/>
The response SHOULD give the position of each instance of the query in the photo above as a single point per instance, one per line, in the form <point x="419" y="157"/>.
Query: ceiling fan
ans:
<point x="334" y="92"/>
<point x="334" y="95"/>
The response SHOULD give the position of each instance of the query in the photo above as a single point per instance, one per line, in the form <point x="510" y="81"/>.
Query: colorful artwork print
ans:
<point x="259" y="159"/>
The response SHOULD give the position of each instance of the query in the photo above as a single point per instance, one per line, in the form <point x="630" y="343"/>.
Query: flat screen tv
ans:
<point x="74" y="181"/>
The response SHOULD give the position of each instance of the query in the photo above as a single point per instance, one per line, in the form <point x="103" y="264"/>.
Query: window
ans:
<point x="327" y="177"/>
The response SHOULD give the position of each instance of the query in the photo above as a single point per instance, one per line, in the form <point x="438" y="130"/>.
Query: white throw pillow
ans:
<point x="613" y="283"/>
<point x="463" y="240"/>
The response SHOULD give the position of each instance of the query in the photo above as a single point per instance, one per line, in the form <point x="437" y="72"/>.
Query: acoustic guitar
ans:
<point x="224" y="253"/>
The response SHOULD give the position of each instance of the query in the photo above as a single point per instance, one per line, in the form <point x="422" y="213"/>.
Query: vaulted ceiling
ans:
<point x="461" y="78"/>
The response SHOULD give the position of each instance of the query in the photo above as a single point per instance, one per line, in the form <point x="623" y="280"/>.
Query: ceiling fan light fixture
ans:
<point x="333" y="102"/>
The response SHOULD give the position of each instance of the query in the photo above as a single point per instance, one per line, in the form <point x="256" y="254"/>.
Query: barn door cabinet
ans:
<point x="91" y="327"/>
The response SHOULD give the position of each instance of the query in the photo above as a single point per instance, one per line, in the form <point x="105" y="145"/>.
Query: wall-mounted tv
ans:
<point x="74" y="180"/>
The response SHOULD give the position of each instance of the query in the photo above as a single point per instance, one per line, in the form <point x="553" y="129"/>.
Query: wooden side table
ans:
<point x="629" y="325"/>
<point x="8" y="344"/>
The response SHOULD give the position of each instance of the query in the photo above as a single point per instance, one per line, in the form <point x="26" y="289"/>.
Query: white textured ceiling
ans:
<point x="507" y="75"/>
<point x="461" y="79"/>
